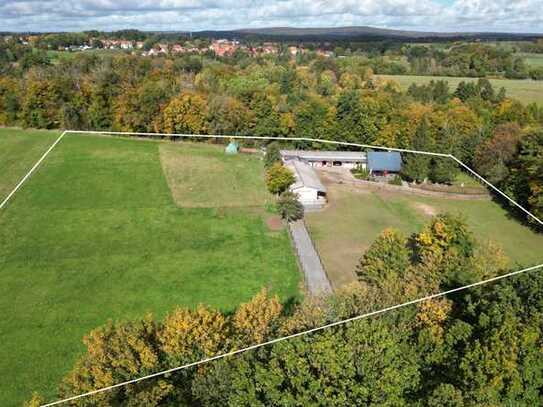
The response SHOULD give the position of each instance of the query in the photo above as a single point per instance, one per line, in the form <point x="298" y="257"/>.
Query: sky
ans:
<point x="523" y="16"/>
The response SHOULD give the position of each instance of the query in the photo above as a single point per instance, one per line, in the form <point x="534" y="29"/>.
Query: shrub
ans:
<point x="278" y="178"/>
<point x="290" y="207"/>
<point x="360" y="172"/>
<point x="397" y="180"/>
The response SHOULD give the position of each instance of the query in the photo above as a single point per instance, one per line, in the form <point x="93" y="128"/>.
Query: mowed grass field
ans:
<point x="18" y="153"/>
<point x="95" y="234"/>
<point x="532" y="59"/>
<point x="525" y="90"/>
<point x="354" y="218"/>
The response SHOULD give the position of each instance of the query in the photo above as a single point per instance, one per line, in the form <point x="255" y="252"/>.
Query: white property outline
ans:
<point x="309" y="331"/>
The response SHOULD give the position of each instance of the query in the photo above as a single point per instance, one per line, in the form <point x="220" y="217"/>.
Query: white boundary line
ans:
<point x="29" y="173"/>
<point x="284" y="338"/>
<point x="309" y="331"/>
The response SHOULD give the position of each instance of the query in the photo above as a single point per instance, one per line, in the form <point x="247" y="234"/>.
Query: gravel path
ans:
<point x="315" y="276"/>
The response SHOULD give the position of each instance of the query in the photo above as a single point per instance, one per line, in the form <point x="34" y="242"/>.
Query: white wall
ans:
<point x="308" y="196"/>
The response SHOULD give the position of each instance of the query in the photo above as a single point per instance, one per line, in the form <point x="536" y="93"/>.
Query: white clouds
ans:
<point x="429" y="15"/>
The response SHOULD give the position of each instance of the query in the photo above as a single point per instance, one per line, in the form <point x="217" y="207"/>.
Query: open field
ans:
<point x="95" y="235"/>
<point x="354" y="218"/>
<point x="533" y="60"/>
<point x="19" y="150"/>
<point x="525" y="90"/>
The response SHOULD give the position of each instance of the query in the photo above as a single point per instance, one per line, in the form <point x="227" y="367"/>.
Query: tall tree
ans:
<point x="417" y="166"/>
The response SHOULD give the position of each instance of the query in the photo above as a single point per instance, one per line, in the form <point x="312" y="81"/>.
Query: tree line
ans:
<point x="482" y="346"/>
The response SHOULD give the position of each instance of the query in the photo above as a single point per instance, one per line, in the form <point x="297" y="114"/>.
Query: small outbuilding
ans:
<point x="231" y="148"/>
<point x="384" y="162"/>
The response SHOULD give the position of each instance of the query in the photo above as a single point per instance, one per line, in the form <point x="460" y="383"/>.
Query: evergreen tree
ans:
<point x="417" y="166"/>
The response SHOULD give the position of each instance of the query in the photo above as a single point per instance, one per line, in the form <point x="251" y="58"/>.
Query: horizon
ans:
<point x="287" y="27"/>
<point x="437" y="16"/>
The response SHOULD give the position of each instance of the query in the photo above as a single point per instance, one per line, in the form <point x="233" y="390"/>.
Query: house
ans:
<point x="224" y="47"/>
<point x="384" y="162"/>
<point x="126" y="44"/>
<point x="315" y="158"/>
<point x="311" y="192"/>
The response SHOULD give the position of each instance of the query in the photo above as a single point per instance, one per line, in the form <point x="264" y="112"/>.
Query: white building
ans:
<point x="347" y="159"/>
<point x="311" y="192"/>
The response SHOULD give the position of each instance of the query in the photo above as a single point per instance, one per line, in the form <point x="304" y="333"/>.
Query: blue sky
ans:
<point x="425" y="15"/>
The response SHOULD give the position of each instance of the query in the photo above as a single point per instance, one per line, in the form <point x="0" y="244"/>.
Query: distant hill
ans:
<point x="357" y="33"/>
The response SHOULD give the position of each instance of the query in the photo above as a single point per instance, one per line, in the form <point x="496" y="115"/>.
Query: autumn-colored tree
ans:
<point x="186" y="114"/>
<point x="227" y="115"/>
<point x="9" y="101"/>
<point x="255" y="320"/>
<point x="115" y="353"/>
<point x="40" y="107"/>
<point x="279" y="178"/>
<point x="188" y="335"/>
<point x="493" y="156"/>
<point x="446" y="233"/>
<point x="387" y="257"/>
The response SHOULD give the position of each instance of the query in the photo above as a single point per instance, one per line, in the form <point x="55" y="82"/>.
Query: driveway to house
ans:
<point x="315" y="277"/>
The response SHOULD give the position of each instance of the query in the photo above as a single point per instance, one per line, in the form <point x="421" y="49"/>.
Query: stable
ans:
<point x="315" y="158"/>
<point x="384" y="162"/>
<point x="311" y="192"/>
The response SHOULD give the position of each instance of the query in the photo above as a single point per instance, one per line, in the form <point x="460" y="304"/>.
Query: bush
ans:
<point x="290" y="207"/>
<point x="278" y="178"/>
<point x="397" y="180"/>
<point x="360" y="172"/>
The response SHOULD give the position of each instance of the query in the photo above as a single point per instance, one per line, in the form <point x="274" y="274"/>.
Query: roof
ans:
<point x="306" y="176"/>
<point x="384" y="161"/>
<point x="316" y="155"/>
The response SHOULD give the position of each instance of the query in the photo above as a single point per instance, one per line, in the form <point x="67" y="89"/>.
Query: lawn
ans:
<point x="525" y="90"/>
<point x="95" y="235"/>
<point x="354" y="218"/>
<point x="533" y="60"/>
<point x="19" y="150"/>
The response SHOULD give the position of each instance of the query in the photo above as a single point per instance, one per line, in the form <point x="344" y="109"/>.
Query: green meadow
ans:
<point x="99" y="232"/>
<point x="525" y="90"/>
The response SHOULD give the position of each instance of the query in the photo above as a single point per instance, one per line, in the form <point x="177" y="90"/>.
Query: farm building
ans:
<point x="384" y="162"/>
<point x="347" y="159"/>
<point x="311" y="192"/>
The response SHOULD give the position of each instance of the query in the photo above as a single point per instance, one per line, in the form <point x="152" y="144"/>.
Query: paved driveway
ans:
<point x="315" y="276"/>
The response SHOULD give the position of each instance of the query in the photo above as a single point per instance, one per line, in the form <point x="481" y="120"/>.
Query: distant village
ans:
<point x="220" y="47"/>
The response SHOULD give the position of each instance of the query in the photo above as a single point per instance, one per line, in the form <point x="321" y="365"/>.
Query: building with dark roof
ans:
<point x="384" y="162"/>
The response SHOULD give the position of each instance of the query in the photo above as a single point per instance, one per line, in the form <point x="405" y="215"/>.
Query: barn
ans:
<point x="311" y="192"/>
<point x="315" y="158"/>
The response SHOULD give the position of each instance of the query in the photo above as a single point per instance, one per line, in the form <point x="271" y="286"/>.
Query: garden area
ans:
<point x="112" y="228"/>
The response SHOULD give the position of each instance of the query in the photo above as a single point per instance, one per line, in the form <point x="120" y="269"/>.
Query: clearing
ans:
<point x="95" y="234"/>
<point x="356" y="216"/>
<point x="525" y="90"/>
